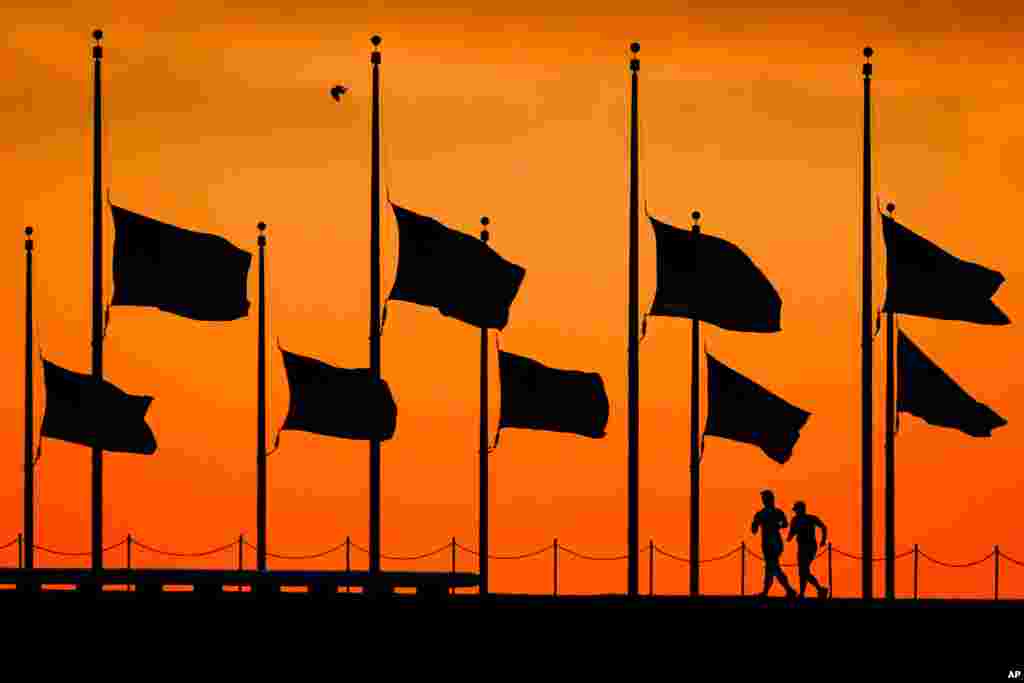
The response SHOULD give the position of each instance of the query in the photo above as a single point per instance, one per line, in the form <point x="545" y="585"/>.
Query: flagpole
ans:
<point x="633" y="431"/>
<point x="261" y="413"/>
<point x="484" y="473"/>
<point x="866" y="348"/>
<point x="375" y="60"/>
<point x="97" y="299"/>
<point x="890" y="452"/>
<point x="694" y="434"/>
<point x="30" y="523"/>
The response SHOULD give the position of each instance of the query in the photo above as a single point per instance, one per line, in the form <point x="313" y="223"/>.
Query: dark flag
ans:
<point x="192" y="274"/>
<point x="81" y="410"/>
<point x="925" y="280"/>
<point x="707" y="278"/>
<point x="741" y="410"/>
<point x="926" y="391"/>
<point x="453" y="272"/>
<point x="534" y="396"/>
<point x="332" y="401"/>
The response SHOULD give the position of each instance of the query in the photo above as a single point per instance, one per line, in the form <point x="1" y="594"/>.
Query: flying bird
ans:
<point x="337" y="91"/>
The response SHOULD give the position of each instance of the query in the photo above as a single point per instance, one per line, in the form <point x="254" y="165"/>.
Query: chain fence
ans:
<point x="652" y="550"/>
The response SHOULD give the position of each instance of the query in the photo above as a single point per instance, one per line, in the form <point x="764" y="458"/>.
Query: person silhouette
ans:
<point x="771" y="520"/>
<point x="802" y="528"/>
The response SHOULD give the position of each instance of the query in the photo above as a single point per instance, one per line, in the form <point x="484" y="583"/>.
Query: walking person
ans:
<point x="771" y="521"/>
<point x="803" y="528"/>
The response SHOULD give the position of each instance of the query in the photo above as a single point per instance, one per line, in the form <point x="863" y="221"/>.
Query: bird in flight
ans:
<point x="337" y="91"/>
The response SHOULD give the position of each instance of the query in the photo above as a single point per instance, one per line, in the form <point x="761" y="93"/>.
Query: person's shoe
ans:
<point x="792" y="594"/>
<point x="822" y="592"/>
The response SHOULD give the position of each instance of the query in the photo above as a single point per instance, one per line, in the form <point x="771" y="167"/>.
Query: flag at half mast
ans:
<point x="340" y="402"/>
<point x="710" y="279"/>
<point x="453" y="272"/>
<point x="90" y="412"/>
<point x="192" y="274"/>
<point x="925" y="280"/>
<point x="535" y="396"/>
<point x="924" y="390"/>
<point x="742" y="410"/>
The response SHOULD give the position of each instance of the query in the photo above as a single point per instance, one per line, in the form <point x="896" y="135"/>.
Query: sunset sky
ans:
<point x="217" y="117"/>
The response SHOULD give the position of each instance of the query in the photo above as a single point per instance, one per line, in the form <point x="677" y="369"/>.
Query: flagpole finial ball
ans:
<point x="375" y="40"/>
<point x="890" y="207"/>
<point x="634" y="48"/>
<point x="695" y="215"/>
<point x="28" y="231"/>
<point x="868" y="52"/>
<point x="97" y="34"/>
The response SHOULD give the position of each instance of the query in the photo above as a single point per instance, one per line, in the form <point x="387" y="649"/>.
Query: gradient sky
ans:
<point x="219" y="117"/>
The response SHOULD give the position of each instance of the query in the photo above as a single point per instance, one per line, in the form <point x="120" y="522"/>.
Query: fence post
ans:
<point x="21" y="563"/>
<point x="241" y="540"/>
<point x="997" y="573"/>
<point x="650" y="549"/>
<point x="554" y="547"/>
<point x="831" y="594"/>
<point x="743" y="568"/>
<point x="915" y="571"/>
<point x="348" y="563"/>
<point x="451" y="591"/>
<point x="128" y="559"/>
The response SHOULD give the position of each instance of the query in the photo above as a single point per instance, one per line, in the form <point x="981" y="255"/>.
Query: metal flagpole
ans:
<point x="29" y="521"/>
<point x="633" y="432"/>
<point x="97" y="299"/>
<point x="890" y="452"/>
<point x="261" y="413"/>
<point x="375" y="301"/>
<point x="866" y="348"/>
<point x="695" y="436"/>
<point x="484" y="474"/>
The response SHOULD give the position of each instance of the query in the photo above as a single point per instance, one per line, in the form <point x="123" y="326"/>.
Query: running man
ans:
<point x="771" y="520"/>
<point x="807" y="545"/>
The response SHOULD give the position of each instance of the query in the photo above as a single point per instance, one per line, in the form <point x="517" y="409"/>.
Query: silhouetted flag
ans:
<point x="741" y="410"/>
<point x="453" y="272"/>
<point x="534" y="396"/>
<point x="712" y="280"/>
<point x="192" y="274"/>
<point x="332" y="401"/>
<point x="925" y="280"/>
<point x="926" y="391"/>
<point x="81" y="410"/>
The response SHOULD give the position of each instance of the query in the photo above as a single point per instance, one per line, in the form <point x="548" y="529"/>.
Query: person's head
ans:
<point x="768" y="498"/>
<point x="800" y="507"/>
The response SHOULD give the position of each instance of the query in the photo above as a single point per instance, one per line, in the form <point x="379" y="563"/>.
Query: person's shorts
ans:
<point x="772" y="549"/>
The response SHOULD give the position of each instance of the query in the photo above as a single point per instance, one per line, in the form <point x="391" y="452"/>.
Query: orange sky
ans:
<point x="218" y="118"/>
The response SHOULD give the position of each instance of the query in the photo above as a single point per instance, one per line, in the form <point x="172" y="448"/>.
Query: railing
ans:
<point x="129" y="542"/>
